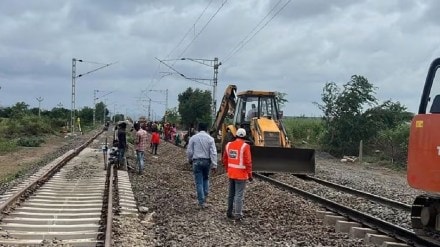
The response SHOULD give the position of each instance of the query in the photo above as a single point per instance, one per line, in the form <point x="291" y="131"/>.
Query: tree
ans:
<point x="281" y="99"/>
<point x="195" y="106"/>
<point x="347" y="118"/>
<point x="99" y="112"/>
<point x="118" y="117"/>
<point x="19" y="110"/>
<point x="388" y="115"/>
<point x="172" y="115"/>
<point x="86" y="116"/>
<point x="393" y="143"/>
<point x="343" y="114"/>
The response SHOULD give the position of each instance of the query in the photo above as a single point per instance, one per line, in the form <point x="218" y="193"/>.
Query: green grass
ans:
<point x="7" y="146"/>
<point x="304" y="132"/>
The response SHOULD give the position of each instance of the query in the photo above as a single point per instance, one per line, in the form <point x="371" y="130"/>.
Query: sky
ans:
<point x="289" y="46"/>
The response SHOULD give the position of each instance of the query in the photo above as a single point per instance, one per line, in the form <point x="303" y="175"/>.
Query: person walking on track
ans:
<point x="122" y="144"/>
<point x="202" y="154"/>
<point x="155" y="140"/>
<point x="140" y="142"/>
<point x="237" y="161"/>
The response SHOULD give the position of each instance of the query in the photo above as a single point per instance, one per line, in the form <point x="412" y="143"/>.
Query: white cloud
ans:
<point x="308" y="44"/>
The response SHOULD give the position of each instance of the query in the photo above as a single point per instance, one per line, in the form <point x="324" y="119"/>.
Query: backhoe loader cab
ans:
<point x="256" y="104"/>
<point x="257" y="112"/>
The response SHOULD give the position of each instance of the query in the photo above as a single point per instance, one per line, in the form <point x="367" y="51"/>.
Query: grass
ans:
<point x="7" y="146"/>
<point x="304" y="132"/>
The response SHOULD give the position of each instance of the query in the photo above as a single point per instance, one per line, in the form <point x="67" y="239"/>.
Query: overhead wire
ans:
<point x="192" y="41"/>
<point x="253" y="29"/>
<point x="180" y="42"/>
<point x="261" y="28"/>
<point x="189" y="30"/>
<point x="203" y="28"/>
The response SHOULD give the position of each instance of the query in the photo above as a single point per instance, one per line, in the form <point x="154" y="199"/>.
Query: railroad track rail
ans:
<point x="396" y="231"/>
<point x="367" y="195"/>
<point x="68" y="202"/>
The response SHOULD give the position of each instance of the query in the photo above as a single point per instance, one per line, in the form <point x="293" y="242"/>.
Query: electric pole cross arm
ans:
<point x="74" y="76"/>
<point x="214" y="63"/>
<point x="94" y="104"/>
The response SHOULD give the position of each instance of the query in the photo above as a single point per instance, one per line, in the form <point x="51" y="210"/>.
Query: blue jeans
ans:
<point x="121" y="157"/>
<point x="140" y="160"/>
<point x="236" y="197"/>
<point x="201" y="169"/>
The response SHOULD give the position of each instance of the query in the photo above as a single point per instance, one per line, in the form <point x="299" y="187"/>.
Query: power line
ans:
<point x="261" y="28"/>
<point x="180" y="42"/>
<point x="253" y="29"/>
<point x="203" y="28"/>
<point x="189" y="30"/>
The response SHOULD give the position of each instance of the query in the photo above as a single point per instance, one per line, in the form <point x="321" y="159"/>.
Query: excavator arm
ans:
<point x="227" y="105"/>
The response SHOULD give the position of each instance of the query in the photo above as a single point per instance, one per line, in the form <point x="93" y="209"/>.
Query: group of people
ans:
<point x="202" y="155"/>
<point x="141" y="139"/>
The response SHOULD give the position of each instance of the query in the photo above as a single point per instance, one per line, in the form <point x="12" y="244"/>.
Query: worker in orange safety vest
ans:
<point x="237" y="161"/>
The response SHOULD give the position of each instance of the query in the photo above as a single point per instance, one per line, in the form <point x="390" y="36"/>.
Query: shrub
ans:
<point x="393" y="144"/>
<point x="7" y="146"/>
<point x="27" y="125"/>
<point x="32" y="141"/>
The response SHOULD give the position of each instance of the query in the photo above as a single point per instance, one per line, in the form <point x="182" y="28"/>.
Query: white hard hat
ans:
<point x="241" y="132"/>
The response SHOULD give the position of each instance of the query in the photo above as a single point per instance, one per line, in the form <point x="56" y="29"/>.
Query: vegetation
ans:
<point x="195" y="107"/>
<point x="172" y="115"/>
<point x="22" y="126"/>
<point x="303" y="131"/>
<point x="391" y="145"/>
<point x="351" y="114"/>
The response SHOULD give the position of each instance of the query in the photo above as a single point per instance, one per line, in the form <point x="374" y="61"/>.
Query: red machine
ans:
<point x="424" y="155"/>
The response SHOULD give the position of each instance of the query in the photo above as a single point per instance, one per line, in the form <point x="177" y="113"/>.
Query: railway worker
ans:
<point x="202" y="154"/>
<point x="140" y="142"/>
<point x="122" y="143"/>
<point x="237" y="161"/>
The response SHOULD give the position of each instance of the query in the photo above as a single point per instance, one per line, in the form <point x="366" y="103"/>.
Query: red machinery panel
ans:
<point x="424" y="153"/>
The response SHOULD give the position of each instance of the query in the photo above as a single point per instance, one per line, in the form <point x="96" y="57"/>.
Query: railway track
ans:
<point x="68" y="202"/>
<point x="405" y="235"/>
<point x="375" y="198"/>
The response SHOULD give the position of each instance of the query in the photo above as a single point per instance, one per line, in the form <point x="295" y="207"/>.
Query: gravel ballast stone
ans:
<point x="272" y="217"/>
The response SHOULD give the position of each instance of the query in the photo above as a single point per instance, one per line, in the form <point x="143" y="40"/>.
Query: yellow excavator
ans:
<point x="257" y="112"/>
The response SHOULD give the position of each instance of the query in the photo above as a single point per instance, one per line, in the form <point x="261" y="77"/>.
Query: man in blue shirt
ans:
<point x="202" y="154"/>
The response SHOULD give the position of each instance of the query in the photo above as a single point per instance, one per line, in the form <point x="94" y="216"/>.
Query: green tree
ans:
<point x="19" y="110"/>
<point x="86" y="116"/>
<point x="393" y="144"/>
<point x="59" y="116"/>
<point x="343" y="114"/>
<point x="99" y="113"/>
<point x="388" y="115"/>
<point x="5" y="112"/>
<point x="281" y="99"/>
<point x="195" y="106"/>
<point x="172" y="115"/>
<point x="118" y="117"/>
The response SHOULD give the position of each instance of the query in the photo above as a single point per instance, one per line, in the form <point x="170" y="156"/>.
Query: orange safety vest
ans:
<point x="237" y="160"/>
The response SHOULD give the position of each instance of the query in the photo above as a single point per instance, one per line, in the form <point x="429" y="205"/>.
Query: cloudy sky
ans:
<point x="293" y="47"/>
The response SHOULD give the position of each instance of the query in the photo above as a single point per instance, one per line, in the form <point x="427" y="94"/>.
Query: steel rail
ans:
<point x="372" y="197"/>
<point x="44" y="177"/>
<point x="109" y="230"/>
<point x="397" y="232"/>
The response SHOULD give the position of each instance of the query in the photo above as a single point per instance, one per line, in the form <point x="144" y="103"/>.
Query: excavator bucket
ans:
<point x="285" y="160"/>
